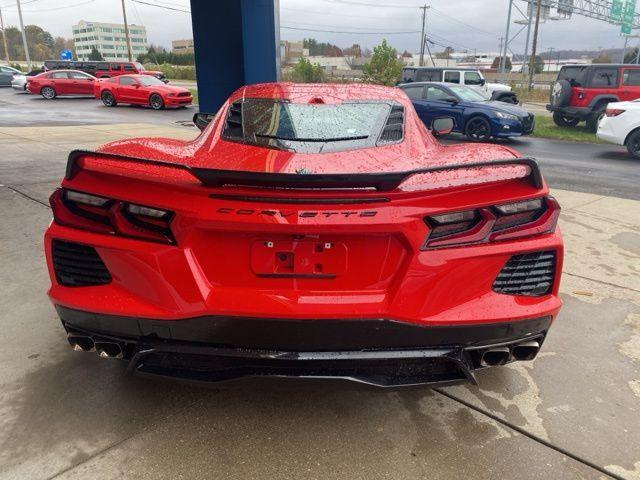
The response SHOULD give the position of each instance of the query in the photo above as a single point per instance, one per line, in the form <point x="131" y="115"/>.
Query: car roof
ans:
<point x="606" y="65"/>
<point x="328" y="92"/>
<point x="439" y="84"/>
<point x="457" y="69"/>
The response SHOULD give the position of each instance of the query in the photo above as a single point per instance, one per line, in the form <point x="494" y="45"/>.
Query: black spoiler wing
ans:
<point x="379" y="181"/>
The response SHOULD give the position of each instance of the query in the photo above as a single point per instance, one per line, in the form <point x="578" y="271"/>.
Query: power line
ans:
<point x="161" y="6"/>
<point x="351" y="32"/>
<point x="453" y="19"/>
<point x="59" y="8"/>
<point x="363" y="4"/>
<point x="296" y="24"/>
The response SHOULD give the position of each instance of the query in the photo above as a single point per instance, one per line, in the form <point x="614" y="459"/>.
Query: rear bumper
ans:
<point x="580" y="112"/>
<point x="380" y="352"/>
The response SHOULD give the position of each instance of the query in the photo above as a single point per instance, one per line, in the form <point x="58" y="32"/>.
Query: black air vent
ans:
<point x="233" y="125"/>
<point x="529" y="274"/>
<point x="78" y="265"/>
<point x="394" y="128"/>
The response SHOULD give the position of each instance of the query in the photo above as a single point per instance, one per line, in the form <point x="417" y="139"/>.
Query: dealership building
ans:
<point x="109" y="39"/>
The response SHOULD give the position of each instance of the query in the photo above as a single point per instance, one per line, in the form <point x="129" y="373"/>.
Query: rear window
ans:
<point x="575" y="75"/>
<point x="426" y="75"/>
<point x="305" y="127"/>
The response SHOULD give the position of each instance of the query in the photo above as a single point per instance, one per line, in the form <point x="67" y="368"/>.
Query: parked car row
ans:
<point x="139" y="89"/>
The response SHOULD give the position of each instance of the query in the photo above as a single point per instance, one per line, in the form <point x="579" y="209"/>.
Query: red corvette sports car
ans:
<point x="140" y="90"/>
<point x="309" y="231"/>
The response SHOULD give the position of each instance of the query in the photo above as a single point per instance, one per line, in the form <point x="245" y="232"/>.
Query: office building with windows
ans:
<point x="109" y="39"/>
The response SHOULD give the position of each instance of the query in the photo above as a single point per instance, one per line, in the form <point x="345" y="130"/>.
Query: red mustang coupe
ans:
<point x="141" y="90"/>
<point x="310" y="231"/>
<point x="61" y="82"/>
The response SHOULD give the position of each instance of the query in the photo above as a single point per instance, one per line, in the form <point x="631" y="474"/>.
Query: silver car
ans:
<point x="19" y="82"/>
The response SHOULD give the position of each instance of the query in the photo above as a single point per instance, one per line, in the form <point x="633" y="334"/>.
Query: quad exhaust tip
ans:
<point x="495" y="356"/>
<point x="81" y="343"/>
<point x="525" y="350"/>
<point x="109" y="349"/>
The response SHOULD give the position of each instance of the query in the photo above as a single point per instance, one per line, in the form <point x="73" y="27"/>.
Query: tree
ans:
<point x="538" y="64"/>
<point x="507" y="64"/>
<point x="353" y="51"/>
<point x="306" y="72"/>
<point x="446" y="53"/>
<point x="384" y="67"/>
<point x="602" y="58"/>
<point x="95" y="55"/>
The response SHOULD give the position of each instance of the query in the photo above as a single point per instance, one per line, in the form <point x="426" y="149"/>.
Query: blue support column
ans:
<point x="236" y="43"/>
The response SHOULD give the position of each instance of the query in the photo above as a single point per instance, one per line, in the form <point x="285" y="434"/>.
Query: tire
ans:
<point x="594" y="118"/>
<point x="156" y="102"/>
<point x="633" y="144"/>
<point x="478" y="129"/>
<point x="562" y="121"/>
<point x="512" y="99"/>
<point x="48" y="93"/>
<point x="108" y="99"/>
<point x="560" y="94"/>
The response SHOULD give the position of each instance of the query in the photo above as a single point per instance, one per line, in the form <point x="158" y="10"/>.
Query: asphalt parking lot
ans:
<point x="572" y="413"/>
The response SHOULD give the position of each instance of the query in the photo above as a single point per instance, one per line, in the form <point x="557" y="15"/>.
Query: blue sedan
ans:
<point x="475" y="116"/>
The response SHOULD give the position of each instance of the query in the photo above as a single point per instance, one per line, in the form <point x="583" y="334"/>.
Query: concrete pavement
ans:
<point x="572" y="413"/>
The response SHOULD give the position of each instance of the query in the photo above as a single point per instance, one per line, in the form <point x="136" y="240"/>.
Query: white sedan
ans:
<point x="621" y="125"/>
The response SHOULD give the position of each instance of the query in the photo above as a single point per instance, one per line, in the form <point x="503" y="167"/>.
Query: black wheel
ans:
<point x="563" y="121"/>
<point x="108" y="99"/>
<point x="48" y="92"/>
<point x="633" y="144"/>
<point x="512" y="99"/>
<point x="478" y="129"/>
<point x="594" y="118"/>
<point x="156" y="102"/>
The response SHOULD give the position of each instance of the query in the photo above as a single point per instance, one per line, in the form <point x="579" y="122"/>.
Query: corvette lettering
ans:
<point x="294" y="214"/>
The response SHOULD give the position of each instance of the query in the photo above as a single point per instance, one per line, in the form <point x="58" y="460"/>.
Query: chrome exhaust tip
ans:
<point x="109" y="349"/>
<point x="81" y="343"/>
<point x="525" y="350"/>
<point x="495" y="356"/>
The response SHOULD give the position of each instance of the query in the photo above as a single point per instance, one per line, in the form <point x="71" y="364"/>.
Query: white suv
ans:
<point x="621" y="125"/>
<point x="461" y="76"/>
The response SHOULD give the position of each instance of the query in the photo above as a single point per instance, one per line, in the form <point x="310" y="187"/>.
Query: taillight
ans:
<point x="106" y="215"/>
<point x="613" y="112"/>
<point x="492" y="223"/>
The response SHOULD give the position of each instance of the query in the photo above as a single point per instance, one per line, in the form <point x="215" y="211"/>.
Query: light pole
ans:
<point x="503" y="54"/>
<point x="24" y="36"/>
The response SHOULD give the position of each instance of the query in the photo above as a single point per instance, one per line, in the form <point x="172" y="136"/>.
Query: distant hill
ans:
<point x="613" y="53"/>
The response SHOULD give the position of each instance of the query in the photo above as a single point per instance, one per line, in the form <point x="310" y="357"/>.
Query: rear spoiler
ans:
<point x="379" y="181"/>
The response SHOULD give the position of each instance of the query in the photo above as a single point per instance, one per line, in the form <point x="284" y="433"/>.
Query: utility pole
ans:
<point x="422" y="37"/>
<point x="624" y="49"/>
<point x="126" y="31"/>
<point x="4" y="38"/>
<point x="24" y="36"/>
<point x="532" y="60"/>
<point x="503" y="54"/>
<point x="526" y="42"/>
<point x="551" y="49"/>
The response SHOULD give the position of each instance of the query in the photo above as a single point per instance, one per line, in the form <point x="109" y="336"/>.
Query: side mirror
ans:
<point x="136" y="85"/>
<point x="201" y="120"/>
<point x="453" y="100"/>
<point x="482" y="82"/>
<point x="442" y="126"/>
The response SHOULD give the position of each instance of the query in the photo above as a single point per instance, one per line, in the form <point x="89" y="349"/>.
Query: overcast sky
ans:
<point x="463" y="24"/>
